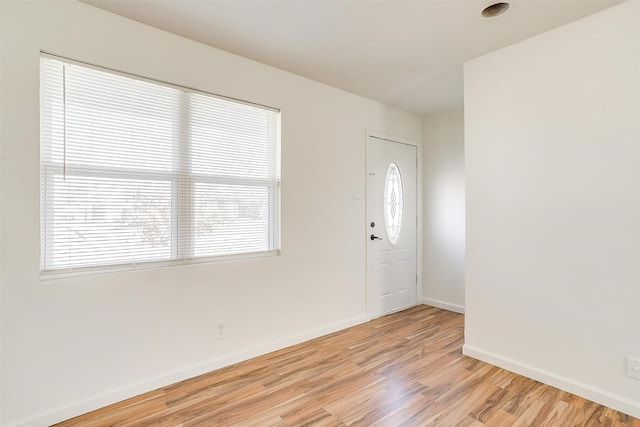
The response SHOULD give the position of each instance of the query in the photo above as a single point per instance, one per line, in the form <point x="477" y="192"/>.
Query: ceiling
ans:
<point x="404" y="53"/>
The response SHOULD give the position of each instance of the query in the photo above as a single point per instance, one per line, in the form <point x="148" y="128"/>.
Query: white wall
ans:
<point x="75" y="344"/>
<point x="1" y="96"/>
<point x="553" y="206"/>
<point x="443" y="199"/>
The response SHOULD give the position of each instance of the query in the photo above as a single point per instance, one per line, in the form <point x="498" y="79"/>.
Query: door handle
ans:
<point x="374" y="237"/>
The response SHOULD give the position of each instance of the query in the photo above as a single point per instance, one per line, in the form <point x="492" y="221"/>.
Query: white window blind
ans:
<point x="136" y="171"/>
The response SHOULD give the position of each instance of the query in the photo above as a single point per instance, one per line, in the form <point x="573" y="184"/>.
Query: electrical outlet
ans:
<point x="357" y="199"/>
<point x="219" y="330"/>
<point x="633" y="367"/>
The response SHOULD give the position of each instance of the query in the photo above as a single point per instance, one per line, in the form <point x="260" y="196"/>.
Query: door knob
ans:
<point x="374" y="237"/>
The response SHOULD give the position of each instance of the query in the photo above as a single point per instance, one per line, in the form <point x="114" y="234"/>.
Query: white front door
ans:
<point x="391" y="226"/>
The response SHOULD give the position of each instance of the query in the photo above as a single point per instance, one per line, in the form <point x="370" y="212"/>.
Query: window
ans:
<point x="393" y="203"/>
<point x="135" y="171"/>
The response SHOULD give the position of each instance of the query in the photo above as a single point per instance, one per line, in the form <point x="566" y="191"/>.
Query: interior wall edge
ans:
<point x="589" y="392"/>
<point x="73" y="409"/>
<point x="443" y="305"/>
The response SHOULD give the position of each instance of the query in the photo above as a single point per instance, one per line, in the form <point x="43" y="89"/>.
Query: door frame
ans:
<point x="419" y="226"/>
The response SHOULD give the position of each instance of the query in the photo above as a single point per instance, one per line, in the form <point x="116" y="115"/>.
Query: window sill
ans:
<point x="49" y="275"/>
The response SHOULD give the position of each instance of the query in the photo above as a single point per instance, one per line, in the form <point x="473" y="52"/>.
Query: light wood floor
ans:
<point x="405" y="369"/>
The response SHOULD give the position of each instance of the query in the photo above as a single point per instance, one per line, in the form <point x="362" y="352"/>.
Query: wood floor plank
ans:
<point x="404" y="369"/>
<point x="501" y="418"/>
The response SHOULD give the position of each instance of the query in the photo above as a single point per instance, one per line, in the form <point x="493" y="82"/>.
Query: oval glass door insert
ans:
<point x="393" y="203"/>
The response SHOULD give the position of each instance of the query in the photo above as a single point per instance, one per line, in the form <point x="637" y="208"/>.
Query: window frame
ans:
<point x="182" y="233"/>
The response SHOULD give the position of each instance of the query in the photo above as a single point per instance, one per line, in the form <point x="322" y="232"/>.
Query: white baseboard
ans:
<point x="79" y="407"/>
<point x="443" y="305"/>
<point x="584" y="390"/>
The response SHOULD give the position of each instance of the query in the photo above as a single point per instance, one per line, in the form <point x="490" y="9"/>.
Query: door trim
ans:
<point x="398" y="140"/>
